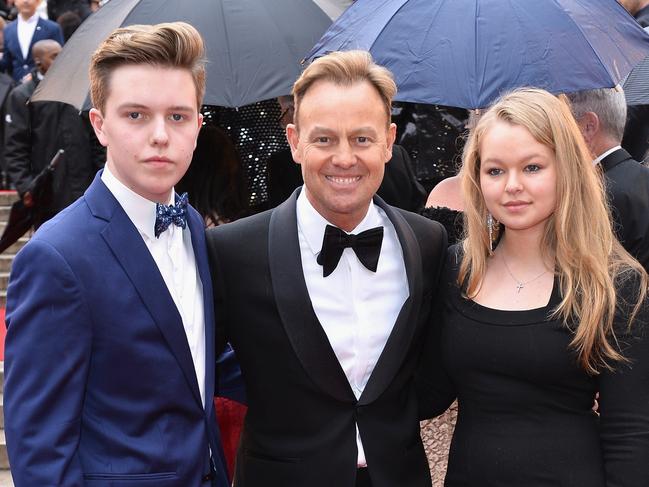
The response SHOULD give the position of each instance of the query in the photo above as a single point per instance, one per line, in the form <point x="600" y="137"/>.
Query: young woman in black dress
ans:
<point x="543" y="309"/>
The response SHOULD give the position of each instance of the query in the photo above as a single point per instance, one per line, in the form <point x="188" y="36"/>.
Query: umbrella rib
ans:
<point x="590" y="46"/>
<point x="229" y="51"/>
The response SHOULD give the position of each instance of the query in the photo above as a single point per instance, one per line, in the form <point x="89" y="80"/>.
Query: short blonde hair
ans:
<point x="590" y="262"/>
<point x="346" y="68"/>
<point x="174" y="45"/>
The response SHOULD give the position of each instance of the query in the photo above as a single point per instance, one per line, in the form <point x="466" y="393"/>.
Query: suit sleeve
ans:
<point x="18" y="140"/>
<point x="47" y="356"/>
<point x="624" y="405"/>
<point x="5" y="60"/>
<point x="435" y="389"/>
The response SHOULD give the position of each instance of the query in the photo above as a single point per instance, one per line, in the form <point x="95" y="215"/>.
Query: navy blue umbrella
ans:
<point x="465" y="53"/>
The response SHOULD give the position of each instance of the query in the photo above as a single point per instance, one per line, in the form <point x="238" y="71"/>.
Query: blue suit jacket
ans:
<point x="13" y="61"/>
<point x="100" y="385"/>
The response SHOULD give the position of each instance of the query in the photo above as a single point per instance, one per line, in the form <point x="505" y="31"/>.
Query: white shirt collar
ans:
<point x="605" y="154"/>
<point x="313" y="224"/>
<point x="140" y="210"/>
<point x="31" y="20"/>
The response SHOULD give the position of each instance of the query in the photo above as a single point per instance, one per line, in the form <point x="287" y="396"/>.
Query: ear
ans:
<point x="198" y="129"/>
<point x="391" y="137"/>
<point x="589" y="125"/>
<point x="293" y="138"/>
<point x="97" y="122"/>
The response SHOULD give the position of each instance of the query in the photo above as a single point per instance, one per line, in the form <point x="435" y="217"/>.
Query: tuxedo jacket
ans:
<point x="100" y="386"/>
<point x="627" y="186"/>
<point x="300" y="427"/>
<point x="13" y="61"/>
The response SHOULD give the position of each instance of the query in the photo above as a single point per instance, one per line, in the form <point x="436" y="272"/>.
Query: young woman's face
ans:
<point x="518" y="177"/>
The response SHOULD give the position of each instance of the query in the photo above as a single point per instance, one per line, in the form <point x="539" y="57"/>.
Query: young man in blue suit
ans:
<point x="22" y="34"/>
<point x="109" y="362"/>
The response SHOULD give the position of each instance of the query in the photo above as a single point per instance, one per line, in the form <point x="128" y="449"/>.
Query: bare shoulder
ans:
<point x="446" y="194"/>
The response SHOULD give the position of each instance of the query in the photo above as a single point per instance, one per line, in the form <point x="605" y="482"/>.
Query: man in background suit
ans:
<point x="110" y="357"/>
<point x="601" y="115"/>
<point x="399" y="186"/>
<point x="326" y="298"/>
<point x="21" y="34"/>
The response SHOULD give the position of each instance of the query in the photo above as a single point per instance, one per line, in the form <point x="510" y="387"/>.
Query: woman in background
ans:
<point x="543" y="309"/>
<point x="215" y="180"/>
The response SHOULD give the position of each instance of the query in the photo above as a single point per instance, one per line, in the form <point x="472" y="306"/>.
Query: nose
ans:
<point x="159" y="134"/>
<point x="514" y="184"/>
<point x="344" y="155"/>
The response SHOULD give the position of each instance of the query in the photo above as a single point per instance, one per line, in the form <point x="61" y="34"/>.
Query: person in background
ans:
<point x="215" y="180"/>
<point x="34" y="132"/>
<point x="69" y="22"/>
<point x="543" y="309"/>
<point x="636" y="133"/>
<point x="56" y="8"/>
<point x="110" y="364"/>
<point x="601" y="115"/>
<point x="21" y="34"/>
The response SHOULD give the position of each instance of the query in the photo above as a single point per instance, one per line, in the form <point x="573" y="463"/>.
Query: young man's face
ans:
<point x="343" y="143"/>
<point x="27" y="8"/>
<point x="149" y="125"/>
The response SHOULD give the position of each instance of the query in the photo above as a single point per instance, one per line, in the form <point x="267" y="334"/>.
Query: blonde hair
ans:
<point x="590" y="262"/>
<point x="174" y="44"/>
<point x="346" y="68"/>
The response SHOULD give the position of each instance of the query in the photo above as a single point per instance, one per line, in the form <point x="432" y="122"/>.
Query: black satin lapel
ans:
<point x="131" y="251"/>
<point x="402" y="333"/>
<point x="308" y="339"/>
<point x="197" y="230"/>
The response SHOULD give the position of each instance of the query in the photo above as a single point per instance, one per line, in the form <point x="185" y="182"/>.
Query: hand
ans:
<point x="28" y="200"/>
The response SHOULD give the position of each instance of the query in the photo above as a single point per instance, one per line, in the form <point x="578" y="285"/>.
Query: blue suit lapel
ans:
<point x="197" y="229"/>
<point x="130" y="250"/>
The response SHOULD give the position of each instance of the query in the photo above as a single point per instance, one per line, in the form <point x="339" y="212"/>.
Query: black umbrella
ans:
<point x="21" y="217"/>
<point x="254" y="47"/>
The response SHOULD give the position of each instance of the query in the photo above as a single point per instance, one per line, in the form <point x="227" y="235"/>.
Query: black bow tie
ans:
<point x="366" y="245"/>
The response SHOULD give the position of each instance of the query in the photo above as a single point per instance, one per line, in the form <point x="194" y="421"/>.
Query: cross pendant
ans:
<point x="519" y="286"/>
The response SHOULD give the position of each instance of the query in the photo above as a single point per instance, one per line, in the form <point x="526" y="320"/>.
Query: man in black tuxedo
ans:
<point x="601" y="116"/>
<point x="328" y="336"/>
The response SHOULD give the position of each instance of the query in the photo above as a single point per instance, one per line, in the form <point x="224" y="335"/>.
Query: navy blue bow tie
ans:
<point x="166" y="215"/>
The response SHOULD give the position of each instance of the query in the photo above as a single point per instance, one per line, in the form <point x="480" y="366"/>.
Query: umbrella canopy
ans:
<point x="636" y="86"/>
<point x="465" y="53"/>
<point x="253" y="47"/>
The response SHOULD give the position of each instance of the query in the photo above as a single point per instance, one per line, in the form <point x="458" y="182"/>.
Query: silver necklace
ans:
<point x="520" y="285"/>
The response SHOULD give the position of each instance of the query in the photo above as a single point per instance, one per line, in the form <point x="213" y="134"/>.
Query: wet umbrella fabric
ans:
<point x="466" y="53"/>
<point x="253" y="47"/>
<point x="636" y="86"/>
<point x="21" y="217"/>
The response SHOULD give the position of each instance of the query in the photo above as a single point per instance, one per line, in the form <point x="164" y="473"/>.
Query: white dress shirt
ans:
<point x="601" y="157"/>
<point x="174" y="255"/>
<point x="356" y="307"/>
<point x="26" y="29"/>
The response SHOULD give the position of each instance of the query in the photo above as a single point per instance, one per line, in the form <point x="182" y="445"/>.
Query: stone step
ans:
<point x="4" y="459"/>
<point x="19" y="244"/>
<point x="4" y="213"/>
<point x="3" y="298"/>
<point x="5" y="263"/>
<point x="5" y="479"/>
<point x="4" y="280"/>
<point x="7" y="198"/>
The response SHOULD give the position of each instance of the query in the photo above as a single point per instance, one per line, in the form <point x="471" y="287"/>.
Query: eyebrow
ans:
<point x="525" y="159"/>
<point x="139" y="106"/>
<point x="325" y="130"/>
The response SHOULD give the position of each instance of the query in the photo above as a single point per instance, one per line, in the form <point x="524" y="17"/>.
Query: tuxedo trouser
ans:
<point x="363" y="478"/>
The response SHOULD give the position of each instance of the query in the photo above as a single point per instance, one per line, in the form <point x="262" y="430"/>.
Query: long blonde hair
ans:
<point x="590" y="262"/>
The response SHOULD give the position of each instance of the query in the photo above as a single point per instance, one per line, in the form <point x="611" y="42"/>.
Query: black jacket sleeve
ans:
<point x="18" y="140"/>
